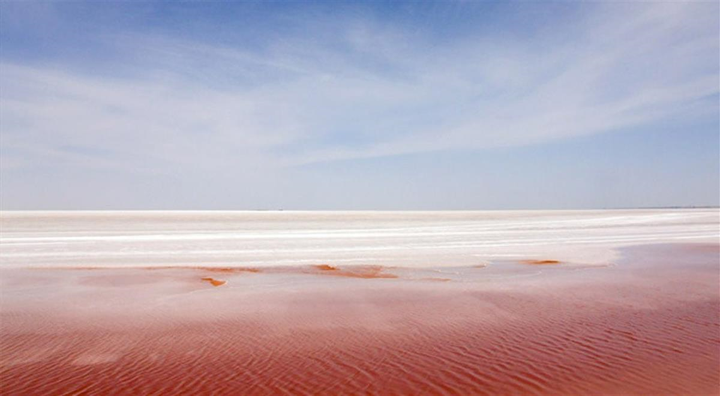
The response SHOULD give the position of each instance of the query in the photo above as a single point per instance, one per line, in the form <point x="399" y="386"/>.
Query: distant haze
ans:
<point x="339" y="105"/>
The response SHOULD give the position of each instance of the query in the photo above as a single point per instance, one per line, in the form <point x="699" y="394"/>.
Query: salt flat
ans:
<point x="533" y="302"/>
<point x="283" y="238"/>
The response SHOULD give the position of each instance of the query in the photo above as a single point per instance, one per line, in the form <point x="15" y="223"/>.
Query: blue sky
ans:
<point x="367" y="105"/>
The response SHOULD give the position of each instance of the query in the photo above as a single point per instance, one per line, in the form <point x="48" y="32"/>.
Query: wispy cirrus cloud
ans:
<point x="369" y="90"/>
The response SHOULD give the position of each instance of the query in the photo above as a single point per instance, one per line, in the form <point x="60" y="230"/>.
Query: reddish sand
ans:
<point x="649" y="325"/>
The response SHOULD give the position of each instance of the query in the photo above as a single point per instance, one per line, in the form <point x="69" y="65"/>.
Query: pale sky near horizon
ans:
<point x="359" y="105"/>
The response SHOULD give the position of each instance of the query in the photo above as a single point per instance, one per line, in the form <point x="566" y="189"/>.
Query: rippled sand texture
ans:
<point x="648" y="325"/>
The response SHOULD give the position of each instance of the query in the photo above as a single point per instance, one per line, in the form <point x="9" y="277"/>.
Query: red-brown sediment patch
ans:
<point x="214" y="282"/>
<point x="480" y="266"/>
<point x="364" y="272"/>
<point x="541" y="262"/>
<point x="229" y="270"/>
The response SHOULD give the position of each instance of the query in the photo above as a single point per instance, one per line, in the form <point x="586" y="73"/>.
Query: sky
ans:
<point x="449" y="105"/>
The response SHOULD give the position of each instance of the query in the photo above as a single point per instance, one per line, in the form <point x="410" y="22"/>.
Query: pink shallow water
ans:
<point x="648" y="325"/>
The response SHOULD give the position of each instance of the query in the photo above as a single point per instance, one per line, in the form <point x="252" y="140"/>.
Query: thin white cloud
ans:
<point x="374" y="92"/>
